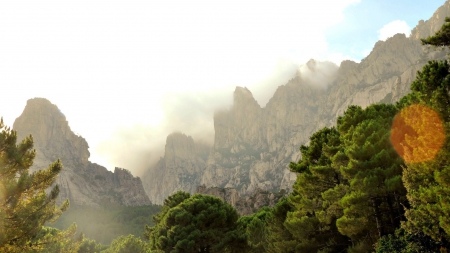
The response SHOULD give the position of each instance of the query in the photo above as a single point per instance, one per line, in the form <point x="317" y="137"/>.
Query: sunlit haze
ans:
<point x="128" y="73"/>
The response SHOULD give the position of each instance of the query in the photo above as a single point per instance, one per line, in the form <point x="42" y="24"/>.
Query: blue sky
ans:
<point x="126" y="73"/>
<point x="357" y="32"/>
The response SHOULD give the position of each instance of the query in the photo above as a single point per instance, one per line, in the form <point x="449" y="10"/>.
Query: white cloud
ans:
<point x="394" y="27"/>
<point x="108" y="65"/>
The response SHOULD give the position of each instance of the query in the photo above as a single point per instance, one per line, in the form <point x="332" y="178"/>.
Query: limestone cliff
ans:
<point x="82" y="182"/>
<point x="244" y="205"/>
<point x="180" y="168"/>
<point x="264" y="145"/>
<point x="431" y="26"/>
<point x="253" y="146"/>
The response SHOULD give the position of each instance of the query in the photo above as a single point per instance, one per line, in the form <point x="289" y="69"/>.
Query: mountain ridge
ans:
<point x="253" y="146"/>
<point x="80" y="181"/>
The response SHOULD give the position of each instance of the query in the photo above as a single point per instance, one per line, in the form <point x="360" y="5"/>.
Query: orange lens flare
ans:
<point x="417" y="134"/>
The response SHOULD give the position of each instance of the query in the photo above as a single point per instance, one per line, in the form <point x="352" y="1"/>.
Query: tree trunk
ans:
<point x="377" y="216"/>
<point x="391" y="212"/>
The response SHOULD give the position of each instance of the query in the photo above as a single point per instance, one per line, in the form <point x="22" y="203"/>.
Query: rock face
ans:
<point x="253" y="146"/>
<point x="180" y="168"/>
<point x="431" y="26"/>
<point x="244" y="205"/>
<point x="82" y="182"/>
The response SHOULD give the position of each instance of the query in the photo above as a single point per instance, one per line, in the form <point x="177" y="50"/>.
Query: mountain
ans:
<point x="181" y="167"/>
<point x="82" y="182"/>
<point x="253" y="145"/>
<point x="244" y="205"/>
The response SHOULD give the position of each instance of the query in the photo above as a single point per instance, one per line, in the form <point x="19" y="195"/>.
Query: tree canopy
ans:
<point x="25" y="205"/>
<point x="195" y="223"/>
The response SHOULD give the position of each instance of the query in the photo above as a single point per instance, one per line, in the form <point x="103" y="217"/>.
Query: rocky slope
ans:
<point x="180" y="168"/>
<point x="244" y="205"/>
<point x="82" y="182"/>
<point x="253" y="146"/>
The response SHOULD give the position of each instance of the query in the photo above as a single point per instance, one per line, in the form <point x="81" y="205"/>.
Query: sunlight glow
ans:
<point x="417" y="134"/>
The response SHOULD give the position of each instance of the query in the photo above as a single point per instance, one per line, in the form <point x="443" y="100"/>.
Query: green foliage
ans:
<point x="434" y="76"/>
<point x="50" y="240"/>
<point x="373" y="204"/>
<point x="428" y="183"/>
<point x="109" y="221"/>
<point x="254" y="229"/>
<point x="404" y="242"/>
<point x="127" y="244"/>
<point x="88" y="245"/>
<point x="197" y="223"/>
<point x="279" y="239"/>
<point x="312" y="220"/>
<point x="24" y="205"/>
<point x="441" y="38"/>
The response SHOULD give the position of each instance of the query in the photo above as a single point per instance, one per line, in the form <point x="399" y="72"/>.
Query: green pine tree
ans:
<point x="373" y="203"/>
<point x="279" y="239"/>
<point x="313" y="220"/>
<point x="127" y="244"/>
<point x="25" y="205"/>
<point x="428" y="182"/>
<point x="441" y="38"/>
<point x="199" y="223"/>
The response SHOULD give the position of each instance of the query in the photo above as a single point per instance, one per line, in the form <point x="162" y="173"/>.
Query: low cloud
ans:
<point x="394" y="27"/>
<point x="146" y="69"/>
<point x="318" y="74"/>
<point x="138" y="147"/>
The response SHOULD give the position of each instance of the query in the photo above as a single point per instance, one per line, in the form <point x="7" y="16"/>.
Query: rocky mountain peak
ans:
<point x="80" y="181"/>
<point x="253" y="146"/>
<point x="180" y="169"/>
<point x="51" y="132"/>
<point x="244" y="97"/>
<point x="179" y="145"/>
<point x="317" y="74"/>
<point x="432" y="25"/>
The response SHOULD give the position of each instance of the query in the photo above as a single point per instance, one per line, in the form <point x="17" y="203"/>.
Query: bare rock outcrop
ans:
<point x="180" y="168"/>
<point x="82" y="182"/>
<point x="431" y="26"/>
<point x="229" y="195"/>
<point x="253" y="145"/>
<point x="244" y="205"/>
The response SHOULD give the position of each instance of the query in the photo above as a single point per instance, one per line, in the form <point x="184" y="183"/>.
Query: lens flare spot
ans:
<point x="417" y="134"/>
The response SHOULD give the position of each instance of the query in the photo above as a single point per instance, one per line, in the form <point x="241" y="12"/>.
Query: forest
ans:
<point x="379" y="181"/>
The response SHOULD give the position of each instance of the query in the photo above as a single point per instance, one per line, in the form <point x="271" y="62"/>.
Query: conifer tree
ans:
<point x="312" y="223"/>
<point x="50" y="240"/>
<point x="441" y="38"/>
<point x="199" y="223"/>
<point x="373" y="203"/>
<point x="279" y="239"/>
<point x="24" y="204"/>
<point x="428" y="182"/>
<point x="127" y="244"/>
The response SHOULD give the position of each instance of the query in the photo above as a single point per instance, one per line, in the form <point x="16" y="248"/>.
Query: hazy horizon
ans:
<point x="127" y="74"/>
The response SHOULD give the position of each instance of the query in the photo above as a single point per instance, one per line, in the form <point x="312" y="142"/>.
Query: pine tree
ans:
<point x="50" y="240"/>
<point x="196" y="224"/>
<point x="24" y="204"/>
<point x="428" y="180"/>
<point x="373" y="203"/>
<point x="279" y="239"/>
<point x="441" y="38"/>
<point x="312" y="223"/>
<point x="127" y="244"/>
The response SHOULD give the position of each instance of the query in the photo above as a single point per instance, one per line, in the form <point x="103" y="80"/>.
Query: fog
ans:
<point x="138" y="147"/>
<point x="128" y="73"/>
<point x="318" y="74"/>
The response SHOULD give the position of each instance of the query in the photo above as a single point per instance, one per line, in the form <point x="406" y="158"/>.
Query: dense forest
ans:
<point x="377" y="182"/>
